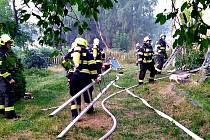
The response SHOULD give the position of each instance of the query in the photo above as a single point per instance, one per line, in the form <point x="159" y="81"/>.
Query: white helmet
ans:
<point x="162" y="35"/>
<point x="73" y="45"/>
<point x="4" y="39"/>
<point x="137" y="44"/>
<point x="96" y="41"/>
<point x="147" y="39"/>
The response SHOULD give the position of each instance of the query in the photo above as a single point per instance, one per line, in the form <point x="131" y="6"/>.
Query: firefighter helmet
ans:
<point x="81" y="41"/>
<point x="73" y="45"/>
<point x="96" y="41"/>
<point x="138" y="45"/>
<point x="162" y="35"/>
<point x="147" y="39"/>
<point x="4" y="39"/>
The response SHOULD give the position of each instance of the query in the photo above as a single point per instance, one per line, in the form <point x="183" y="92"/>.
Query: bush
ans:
<point x="35" y="59"/>
<point x="20" y="86"/>
<point x="190" y="60"/>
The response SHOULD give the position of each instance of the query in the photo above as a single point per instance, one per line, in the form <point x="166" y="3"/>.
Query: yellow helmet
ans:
<point x="4" y="39"/>
<point x="81" y="41"/>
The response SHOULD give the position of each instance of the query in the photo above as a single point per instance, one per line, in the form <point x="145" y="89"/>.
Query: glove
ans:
<point x="137" y="63"/>
<point x="76" y="72"/>
<point x="12" y="81"/>
<point x="69" y="74"/>
<point x="98" y="79"/>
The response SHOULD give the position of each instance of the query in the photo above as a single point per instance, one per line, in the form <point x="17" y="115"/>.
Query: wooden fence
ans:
<point x="54" y="61"/>
<point x="129" y="57"/>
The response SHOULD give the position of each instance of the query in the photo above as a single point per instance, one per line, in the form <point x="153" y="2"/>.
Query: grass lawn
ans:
<point x="134" y="120"/>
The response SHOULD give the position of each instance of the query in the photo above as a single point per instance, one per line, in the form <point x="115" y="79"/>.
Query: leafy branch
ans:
<point x="191" y="29"/>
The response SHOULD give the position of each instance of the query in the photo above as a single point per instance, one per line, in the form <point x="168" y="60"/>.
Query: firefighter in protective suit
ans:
<point x="161" y="53"/>
<point x="84" y="71"/>
<point x="98" y="54"/>
<point x="146" y="61"/>
<point x="7" y="82"/>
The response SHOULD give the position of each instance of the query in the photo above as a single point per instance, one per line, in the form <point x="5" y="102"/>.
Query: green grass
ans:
<point x="200" y="93"/>
<point x="47" y="92"/>
<point x="134" y="119"/>
<point x="129" y="78"/>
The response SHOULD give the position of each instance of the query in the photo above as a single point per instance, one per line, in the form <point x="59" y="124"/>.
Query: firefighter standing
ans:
<point x="161" y="53"/>
<point x="146" y="62"/>
<point x="84" y="72"/>
<point x="7" y="82"/>
<point x="98" y="54"/>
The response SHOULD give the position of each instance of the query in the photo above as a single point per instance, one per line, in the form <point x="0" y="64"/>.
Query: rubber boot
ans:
<point x="91" y="110"/>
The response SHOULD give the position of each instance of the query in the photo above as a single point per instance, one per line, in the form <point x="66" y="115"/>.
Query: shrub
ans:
<point x="191" y="59"/>
<point x="35" y="59"/>
<point x="20" y="86"/>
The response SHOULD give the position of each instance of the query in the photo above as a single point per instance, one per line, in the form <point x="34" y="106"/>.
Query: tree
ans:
<point x="51" y="14"/>
<point x="189" y="23"/>
<point x="6" y="22"/>
<point x="121" y="41"/>
<point x="134" y="18"/>
<point x="9" y="24"/>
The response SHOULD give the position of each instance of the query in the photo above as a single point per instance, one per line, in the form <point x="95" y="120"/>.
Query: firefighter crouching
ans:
<point x="161" y="53"/>
<point x="146" y="61"/>
<point x="84" y="71"/>
<point x="98" y="54"/>
<point x="7" y="82"/>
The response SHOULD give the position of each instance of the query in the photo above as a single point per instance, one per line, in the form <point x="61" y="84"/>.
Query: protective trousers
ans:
<point x="7" y="99"/>
<point x="77" y="83"/>
<point x="160" y="61"/>
<point x="143" y="69"/>
<point x="99" y="67"/>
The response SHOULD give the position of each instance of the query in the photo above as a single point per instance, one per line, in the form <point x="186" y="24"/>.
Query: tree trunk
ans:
<point x="101" y="34"/>
<point x="16" y="18"/>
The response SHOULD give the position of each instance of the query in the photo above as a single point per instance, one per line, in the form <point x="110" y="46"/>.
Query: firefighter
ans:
<point x="161" y="53"/>
<point x="84" y="71"/>
<point x="7" y="82"/>
<point x="146" y="61"/>
<point x="98" y="54"/>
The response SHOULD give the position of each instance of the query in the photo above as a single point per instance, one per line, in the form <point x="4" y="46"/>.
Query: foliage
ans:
<point x="51" y="16"/>
<point x="18" y="69"/>
<point x="38" y="58"/>
<point x="191" y="27"/>
<point x="35" y="59"/>
<point x="134" y="18"/>
<point x="8" y="25"/>
<point x="191" y="59"/>
<point x="121" y="41"/>
<point x="6" y="22"/>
